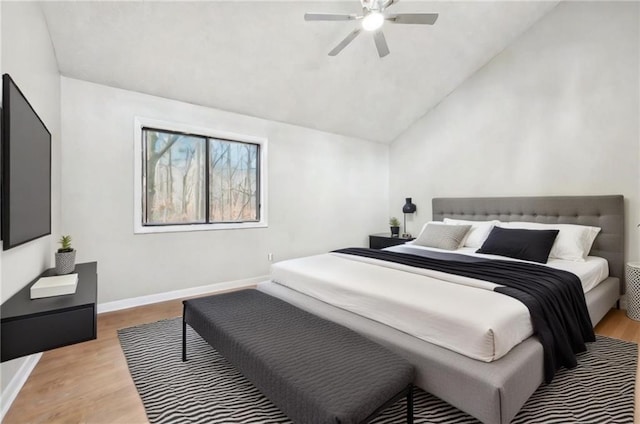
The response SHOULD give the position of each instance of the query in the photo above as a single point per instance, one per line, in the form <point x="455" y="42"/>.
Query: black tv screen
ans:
<point x="26" y="169"/>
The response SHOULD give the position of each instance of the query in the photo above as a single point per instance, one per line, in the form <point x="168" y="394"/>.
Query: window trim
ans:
<point x="138" y="179"/>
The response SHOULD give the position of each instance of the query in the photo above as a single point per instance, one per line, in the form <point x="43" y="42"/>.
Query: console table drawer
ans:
<point x="34" y="325"/>
<point x="39" y="333"/>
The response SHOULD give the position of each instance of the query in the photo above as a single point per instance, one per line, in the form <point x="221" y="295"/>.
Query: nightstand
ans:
<point x="633" y="290"/>
<point x="382" y="240"/>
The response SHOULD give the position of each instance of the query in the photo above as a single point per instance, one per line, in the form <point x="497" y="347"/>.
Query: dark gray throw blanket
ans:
<point x="554" y="298"/>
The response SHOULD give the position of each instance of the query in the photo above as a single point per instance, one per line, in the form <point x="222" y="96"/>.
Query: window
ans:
<point x="197" y="179"/>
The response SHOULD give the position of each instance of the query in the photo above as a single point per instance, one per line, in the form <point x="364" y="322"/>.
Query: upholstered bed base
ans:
<point x="492" y="392"/>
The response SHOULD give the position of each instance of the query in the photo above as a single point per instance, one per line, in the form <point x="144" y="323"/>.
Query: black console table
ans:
<point x="31" y="326"/>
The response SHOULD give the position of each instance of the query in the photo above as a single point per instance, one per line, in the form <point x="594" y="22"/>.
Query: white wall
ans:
<point x="325" y="191"/>
<point x="28" y="56"/>
<point x="556" y="113"/>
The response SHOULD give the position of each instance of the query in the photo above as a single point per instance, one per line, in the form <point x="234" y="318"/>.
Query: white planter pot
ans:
<point x="65" y="262"/>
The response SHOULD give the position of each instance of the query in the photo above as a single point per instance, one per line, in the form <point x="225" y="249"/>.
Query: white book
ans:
<point x="54" y="286"/>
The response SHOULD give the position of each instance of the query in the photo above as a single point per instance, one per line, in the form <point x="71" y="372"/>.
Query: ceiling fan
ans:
<point x="372" y="19"/>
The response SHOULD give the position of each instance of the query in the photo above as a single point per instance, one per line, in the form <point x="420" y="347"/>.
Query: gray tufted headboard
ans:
<point x="606" y="212"/>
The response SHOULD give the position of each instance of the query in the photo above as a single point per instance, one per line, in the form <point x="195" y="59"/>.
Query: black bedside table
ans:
<point x="382" y="240"/>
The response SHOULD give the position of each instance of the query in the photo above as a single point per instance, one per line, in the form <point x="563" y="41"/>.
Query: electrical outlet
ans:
<point x="270" y="257"/>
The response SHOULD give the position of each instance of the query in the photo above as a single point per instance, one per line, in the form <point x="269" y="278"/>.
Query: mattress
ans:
<point x="458" y="313"/>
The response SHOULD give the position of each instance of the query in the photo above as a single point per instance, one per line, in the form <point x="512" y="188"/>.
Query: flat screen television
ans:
<point x="26" y="169"/>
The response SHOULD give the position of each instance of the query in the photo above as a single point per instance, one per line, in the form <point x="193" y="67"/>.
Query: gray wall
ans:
<point x="555" y="113"/>
<point x="325" y="191"/>
<point x="27" y="54"/>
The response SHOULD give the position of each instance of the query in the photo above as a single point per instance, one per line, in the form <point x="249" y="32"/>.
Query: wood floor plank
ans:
<point x="90" y="382"/>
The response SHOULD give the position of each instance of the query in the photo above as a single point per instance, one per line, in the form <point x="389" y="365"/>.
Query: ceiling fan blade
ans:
<point x="381" y="43"/>
<point x="349" y="38"/>
<point x="388" y="3"/>
<point x="328" y="17"/>
<point x="413" y="18"/>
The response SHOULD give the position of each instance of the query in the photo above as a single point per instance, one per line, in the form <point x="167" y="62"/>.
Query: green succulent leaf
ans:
<point x="65" y="244"/>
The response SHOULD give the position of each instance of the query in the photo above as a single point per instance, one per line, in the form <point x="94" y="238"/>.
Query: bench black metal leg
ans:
<point x="184" y="334"/>
<point x="618" y="304"/>
<point x="408" y="392"/>
<point x="410" y="405"/>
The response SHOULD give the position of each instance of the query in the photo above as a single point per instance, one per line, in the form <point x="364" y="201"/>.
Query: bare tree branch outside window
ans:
<point x="233" y="181"/>
<point x="176" y="186"/>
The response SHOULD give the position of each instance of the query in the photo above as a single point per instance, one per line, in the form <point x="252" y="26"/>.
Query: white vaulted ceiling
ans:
<point x="262" y="59"/>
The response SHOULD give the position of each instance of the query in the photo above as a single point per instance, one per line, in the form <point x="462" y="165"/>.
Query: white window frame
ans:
<point x="138" y="179"/>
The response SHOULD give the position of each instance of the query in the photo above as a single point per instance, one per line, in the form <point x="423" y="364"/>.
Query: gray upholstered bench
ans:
<point x="314" y="370"/>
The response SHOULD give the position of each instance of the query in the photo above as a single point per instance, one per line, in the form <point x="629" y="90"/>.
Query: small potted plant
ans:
<point x="65" y="256"/>
<point x="395" y="226"/>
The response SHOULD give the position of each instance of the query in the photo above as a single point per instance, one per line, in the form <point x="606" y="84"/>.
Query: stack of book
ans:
<point x="54" y="286"/>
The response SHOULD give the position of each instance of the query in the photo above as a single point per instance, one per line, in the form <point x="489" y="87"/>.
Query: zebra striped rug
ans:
<point x="207" y="389"/>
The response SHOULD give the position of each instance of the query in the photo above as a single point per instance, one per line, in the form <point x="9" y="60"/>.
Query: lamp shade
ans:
<point x="408" y="206"/>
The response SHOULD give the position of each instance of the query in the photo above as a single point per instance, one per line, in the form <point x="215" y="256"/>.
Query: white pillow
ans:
<point x="573" y="242"/>
<point x="479" y="230"/>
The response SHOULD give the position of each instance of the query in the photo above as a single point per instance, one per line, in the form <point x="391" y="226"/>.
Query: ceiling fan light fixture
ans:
<point x="373" y="21"/>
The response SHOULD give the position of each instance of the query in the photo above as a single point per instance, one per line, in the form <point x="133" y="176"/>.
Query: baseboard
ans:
<point x="13" y="388"/>
<point x="177" y="294"/>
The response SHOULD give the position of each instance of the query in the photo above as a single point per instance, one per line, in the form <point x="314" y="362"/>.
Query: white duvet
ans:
<point x="458" y="313"/>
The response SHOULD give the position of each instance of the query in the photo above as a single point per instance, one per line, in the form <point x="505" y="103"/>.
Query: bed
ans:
<point x="493" y="391"/>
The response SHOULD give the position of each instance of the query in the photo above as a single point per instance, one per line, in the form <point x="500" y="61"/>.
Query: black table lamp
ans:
<point x="407" y="208"/>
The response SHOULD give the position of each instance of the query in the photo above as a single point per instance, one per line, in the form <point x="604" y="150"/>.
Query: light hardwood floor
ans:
<point x="90" y="382"/>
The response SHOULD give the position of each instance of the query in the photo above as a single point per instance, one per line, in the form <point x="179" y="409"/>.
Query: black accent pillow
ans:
<point x="528" y="245"/>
